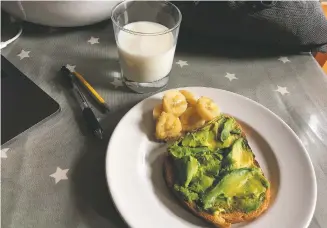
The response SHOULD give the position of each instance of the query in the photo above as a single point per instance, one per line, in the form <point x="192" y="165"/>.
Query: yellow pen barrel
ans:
<point x="89" y="88"/>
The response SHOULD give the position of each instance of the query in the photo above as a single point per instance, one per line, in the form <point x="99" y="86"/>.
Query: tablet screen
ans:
<point x="23" y="103"/>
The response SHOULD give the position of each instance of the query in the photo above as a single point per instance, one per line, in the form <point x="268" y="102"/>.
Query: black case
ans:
<point x="23" y="103"/>
<point x="285" y="25"/>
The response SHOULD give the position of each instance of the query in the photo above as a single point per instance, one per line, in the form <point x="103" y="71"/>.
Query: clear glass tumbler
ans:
<point x="146" y="34"/>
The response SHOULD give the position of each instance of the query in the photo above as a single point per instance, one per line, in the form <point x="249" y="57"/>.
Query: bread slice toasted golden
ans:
<point x="221" y="220"/>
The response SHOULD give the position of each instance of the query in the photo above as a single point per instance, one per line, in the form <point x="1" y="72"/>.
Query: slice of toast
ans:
<point x="222" y="220"/>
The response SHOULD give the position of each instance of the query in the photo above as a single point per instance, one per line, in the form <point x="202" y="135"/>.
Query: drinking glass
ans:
<point x="146" y="35"/>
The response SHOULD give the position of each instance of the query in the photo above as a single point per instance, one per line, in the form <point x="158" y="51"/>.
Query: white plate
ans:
<point x="135" y="178"/>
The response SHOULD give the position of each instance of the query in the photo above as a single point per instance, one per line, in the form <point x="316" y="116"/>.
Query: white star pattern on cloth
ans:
<point x="93" y="40"/>
<point x="60" y="174"/>
<point x="23" y="54"/>
<point x="231" y="77"/>
<point x="70" y="67"/>
<point x="182" y="63"/>
<point x="4" y="152"/>
<point x="282" y="90"/>
<point x="132" y="84"/>
<point x="116" y="82"/>
<point x="284" y="59"/>
<point x="115" y="74"/>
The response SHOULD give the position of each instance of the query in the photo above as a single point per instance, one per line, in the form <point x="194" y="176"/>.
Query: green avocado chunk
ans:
<point x="240" y="156"/>
<point x="242" y="189"/>
<point x="236" y="131"/>
<point x="179" y="152"/>
<point x="187" y="167"/>
<point x="207" y="136"/>
<point x="201" y="183"/>
<point x="227" y="128"/>
<point x="210" y="162"/>
<point x="202" y="138"/>
<point x="186" y="193"/>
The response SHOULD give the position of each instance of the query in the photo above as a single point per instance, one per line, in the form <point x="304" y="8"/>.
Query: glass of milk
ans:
<point x="146" y="34"/>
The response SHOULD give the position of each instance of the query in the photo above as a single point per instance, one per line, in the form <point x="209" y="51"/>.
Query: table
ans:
<point x="54" y="174"/>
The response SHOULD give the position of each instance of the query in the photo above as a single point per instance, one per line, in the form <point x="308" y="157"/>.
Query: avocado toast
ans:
<point x="213" y="172"/>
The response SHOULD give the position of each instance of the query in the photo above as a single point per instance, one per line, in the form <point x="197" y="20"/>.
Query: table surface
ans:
<point x="54" y="174"/>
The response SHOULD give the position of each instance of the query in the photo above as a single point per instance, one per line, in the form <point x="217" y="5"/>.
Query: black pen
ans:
<point x="88" y="114"/>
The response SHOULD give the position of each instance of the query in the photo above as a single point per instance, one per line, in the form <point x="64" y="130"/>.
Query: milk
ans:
<point x="145" y="58"/>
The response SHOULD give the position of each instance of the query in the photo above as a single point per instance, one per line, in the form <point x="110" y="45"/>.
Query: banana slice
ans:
<point x="191" y="120"/>
<point x="168" y="126"/>
<point x="207" y="109"/>
<point x="189" y="97"/>
<point x="157" y="111"/>
<point x="174" y="102"/>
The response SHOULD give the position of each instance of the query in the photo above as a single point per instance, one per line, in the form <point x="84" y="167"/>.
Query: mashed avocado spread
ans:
<point x="214" y="168"/>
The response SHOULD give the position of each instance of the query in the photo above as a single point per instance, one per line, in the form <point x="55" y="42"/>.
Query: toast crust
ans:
<point x="223" y="220"/>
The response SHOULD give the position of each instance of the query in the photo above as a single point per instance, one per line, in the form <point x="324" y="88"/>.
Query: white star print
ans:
<point x="93" y="40"/>
<point x="70" y="67"/>
<point x="23" y="54"/>
<point x="282" y="90"/>
<point x="115" y="74"/>
<point x="116" y="82"/>
<point x="231" y="77"/>
<point x="4" y="152"/>
<point x="135" y="84"/>
<point x="182" y="63"/>
<point x="60" y="174"/>
<point x="284" y="59"/>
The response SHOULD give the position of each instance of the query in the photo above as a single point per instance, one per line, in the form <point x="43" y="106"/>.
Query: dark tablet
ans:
<point x="23" y="104"/>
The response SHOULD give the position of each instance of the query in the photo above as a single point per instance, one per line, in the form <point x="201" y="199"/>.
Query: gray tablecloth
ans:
<point x="54" y="174"/>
